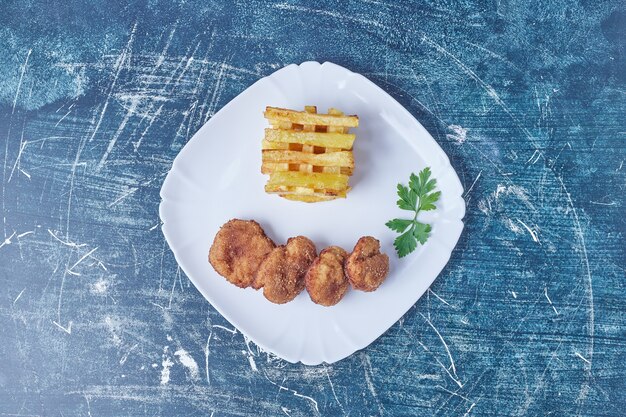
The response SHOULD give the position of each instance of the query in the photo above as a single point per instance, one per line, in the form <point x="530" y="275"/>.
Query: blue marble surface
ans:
<point x="528" y="100"/>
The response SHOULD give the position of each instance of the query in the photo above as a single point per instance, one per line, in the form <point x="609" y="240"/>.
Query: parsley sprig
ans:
<point x="418" y="196"/>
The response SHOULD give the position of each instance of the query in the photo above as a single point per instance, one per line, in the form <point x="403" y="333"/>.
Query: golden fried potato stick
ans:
<point x="321" y="139"/>
<point x="315" y="180"/>
<point x="298" y="117"/>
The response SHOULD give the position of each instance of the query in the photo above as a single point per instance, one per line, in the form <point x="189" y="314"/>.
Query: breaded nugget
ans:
<point x="238" y="249"/>
<point x="325" y="280"/>
<point x="281" y="273"/>
<point x="366" y="267"/>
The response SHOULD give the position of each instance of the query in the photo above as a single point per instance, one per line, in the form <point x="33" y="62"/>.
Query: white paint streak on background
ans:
<point x="166" y="363"/>
<point x="188" y="362"/>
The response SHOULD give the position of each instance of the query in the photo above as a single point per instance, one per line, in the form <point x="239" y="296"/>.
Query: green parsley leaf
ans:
<point x="428" y="201"/>
<point x="429" y="186"/>
<point x="421" y="232"/>
<point x="424" y="175"/>
<point x="398" y="225"/>
<point x="405" y="244"/>
<point x="418" y="196"/>
<point x="407" y="201"/>
<point x="415" y="184"/>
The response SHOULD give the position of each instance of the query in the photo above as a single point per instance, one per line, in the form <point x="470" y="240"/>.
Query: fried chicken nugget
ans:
<point x="238" y="249"/>
<point x="281" y="273"/>
<point x="366" y="267"/>
<point x="325" y="280"/>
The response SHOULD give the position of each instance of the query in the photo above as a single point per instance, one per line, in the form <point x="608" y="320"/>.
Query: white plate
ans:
<point x="216" y="177"/>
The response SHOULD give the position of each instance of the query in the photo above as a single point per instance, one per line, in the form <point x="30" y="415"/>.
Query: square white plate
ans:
<point x="216" y="177"/>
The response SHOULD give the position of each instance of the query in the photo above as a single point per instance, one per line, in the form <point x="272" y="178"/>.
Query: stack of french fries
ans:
<point x="307" y="155"/>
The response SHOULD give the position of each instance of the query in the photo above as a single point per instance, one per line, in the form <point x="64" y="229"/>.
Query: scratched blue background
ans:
<point x="527" y="99"/>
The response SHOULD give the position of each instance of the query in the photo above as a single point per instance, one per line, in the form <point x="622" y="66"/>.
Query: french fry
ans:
<point x="307" y="198"/>
<point x="322" y="139"/>
<point x="266" y="144"/>
<point x="274" y="113"/>
<point x="338" y="159"/>
<point x="315" y="180"/>
<point x="302" y="191"/>
<point x="336" y="129"/>
<point x="283" y="160"/>
<point x="271" y="167"/>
